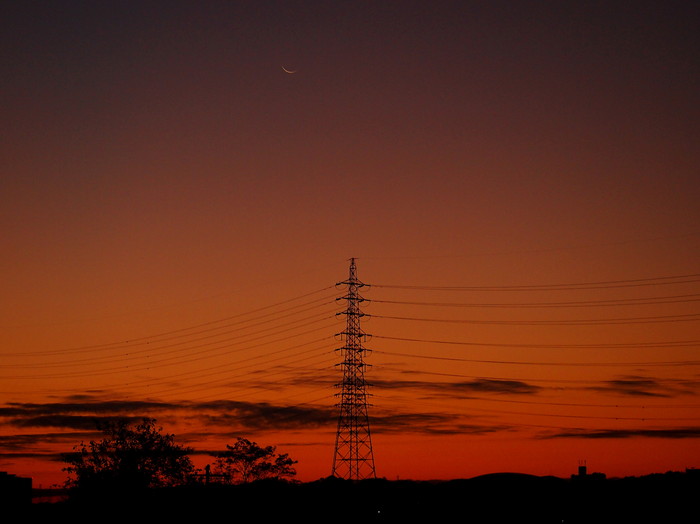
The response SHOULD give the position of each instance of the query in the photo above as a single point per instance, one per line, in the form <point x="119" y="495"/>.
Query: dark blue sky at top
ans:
<point x="525" y="108"/>
<point x="84" y="59"/>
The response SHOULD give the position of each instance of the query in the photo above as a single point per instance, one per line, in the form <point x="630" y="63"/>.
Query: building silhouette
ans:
<point x="14" y="490"/>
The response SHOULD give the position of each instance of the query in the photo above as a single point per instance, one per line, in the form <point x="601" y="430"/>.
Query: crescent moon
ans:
<point x="288" y="71"/>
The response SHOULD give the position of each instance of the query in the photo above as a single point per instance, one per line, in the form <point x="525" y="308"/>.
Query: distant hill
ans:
<point x="497" y="497"/>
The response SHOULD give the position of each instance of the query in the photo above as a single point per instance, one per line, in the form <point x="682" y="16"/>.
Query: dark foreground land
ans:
<point x="663" y="498"/>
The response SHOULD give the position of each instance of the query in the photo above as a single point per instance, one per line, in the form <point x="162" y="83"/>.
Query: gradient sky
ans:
<point x="176" y="210"/>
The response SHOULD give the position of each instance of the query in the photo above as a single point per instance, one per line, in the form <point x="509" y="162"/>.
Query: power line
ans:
<point x="149" y="338"/>
<point x="691" y="317"/>
<point x="630" y="345"/>
<point x="222" y="382"/>
<point x="536" y="363"/>
<point x="570" y="415"/>
<point x="245" y="374"/>
<point x="606" y="284"/>
<point x="459" y="375"/>
<point x="672" y="299"/>
<point x="218" y="370"/>
<point x="529" y="380"/>
<point x="170" y="349"/>
<point x="174" y="360"/>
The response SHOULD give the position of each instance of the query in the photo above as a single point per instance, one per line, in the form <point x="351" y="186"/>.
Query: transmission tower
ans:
<point x="353" y="459"/>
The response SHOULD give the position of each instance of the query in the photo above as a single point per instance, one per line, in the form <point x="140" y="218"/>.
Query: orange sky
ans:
<point x="176" y="210"/>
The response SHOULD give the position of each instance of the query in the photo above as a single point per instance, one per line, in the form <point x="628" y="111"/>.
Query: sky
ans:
<point x="518" y="182"/>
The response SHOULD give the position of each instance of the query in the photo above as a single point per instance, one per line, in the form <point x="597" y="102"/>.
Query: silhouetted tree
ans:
<point x="245" y="461"/>
<point x="129" y="457"/>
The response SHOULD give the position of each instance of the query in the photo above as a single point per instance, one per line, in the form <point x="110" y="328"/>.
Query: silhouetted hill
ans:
<point x="501" y="497"/>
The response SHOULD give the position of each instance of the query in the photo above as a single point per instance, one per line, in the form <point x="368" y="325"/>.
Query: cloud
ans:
<point x="259" y="380"/>
<point x="262" y="415"/>
<point x="83" y="415"/>
<point x="666" y="433"/>
<point x="639" y="386"/>
<point x="428" y="423"/>
<point x="485" y="385"/>
<point x="85" y="406"/>
<point x="216" y="417"/>
<point x="67" y="421"/>
<point x="86" y="414"/>
<point x="222" y="417"/>
<point x="37" y="445"/>
<point x="478" y="385"/>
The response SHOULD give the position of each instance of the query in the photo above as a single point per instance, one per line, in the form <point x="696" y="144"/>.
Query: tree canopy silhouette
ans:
<point x="246" y="461"/>
<point x="129" y="457"/>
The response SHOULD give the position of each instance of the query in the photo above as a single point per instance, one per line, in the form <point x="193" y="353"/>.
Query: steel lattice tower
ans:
<point x="353" y="459"/>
